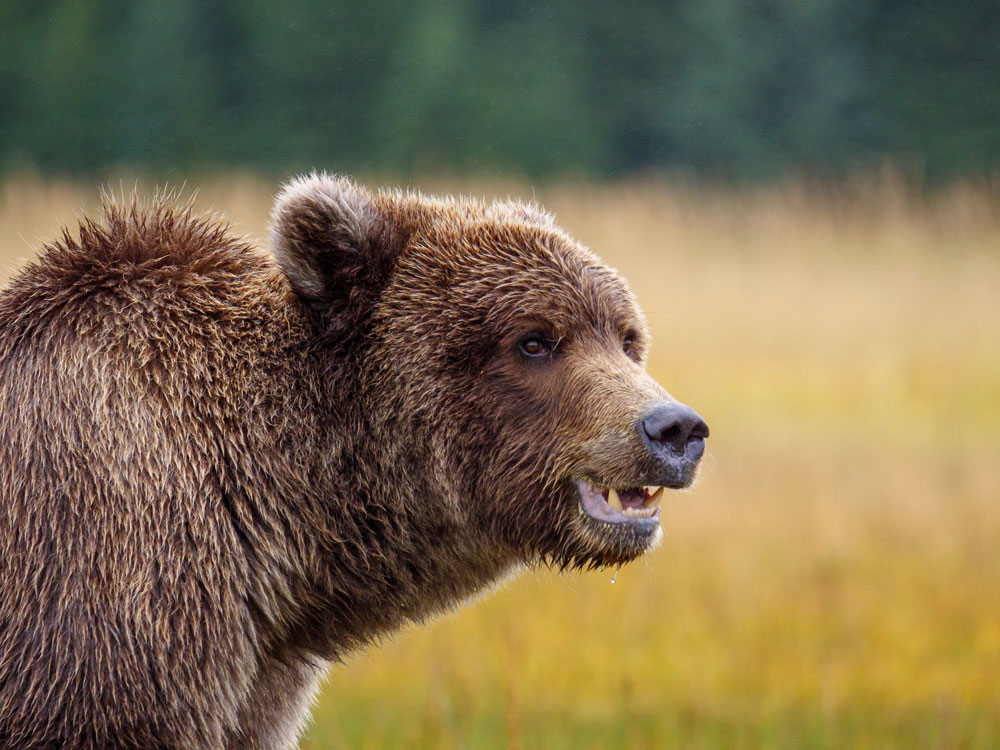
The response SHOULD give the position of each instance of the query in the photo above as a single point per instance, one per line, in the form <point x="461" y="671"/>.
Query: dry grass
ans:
<point x="834" y="581"/>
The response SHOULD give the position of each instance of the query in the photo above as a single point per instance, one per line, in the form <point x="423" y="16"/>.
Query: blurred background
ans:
<point x="729" y="88"/>
<point x="804" y="195"/>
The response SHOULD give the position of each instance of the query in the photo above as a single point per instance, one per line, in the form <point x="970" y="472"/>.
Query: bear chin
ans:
<point x="615" y="532"/>
<point x="616" y="544"/>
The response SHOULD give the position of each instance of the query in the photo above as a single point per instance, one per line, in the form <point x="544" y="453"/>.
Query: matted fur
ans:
<point x="220" y="469"/>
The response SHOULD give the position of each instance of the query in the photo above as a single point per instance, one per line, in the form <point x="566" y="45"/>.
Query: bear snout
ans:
<point x="675" y="434"/>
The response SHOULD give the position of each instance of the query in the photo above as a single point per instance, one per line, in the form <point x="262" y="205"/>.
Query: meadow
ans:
<point x="833" y="581"/>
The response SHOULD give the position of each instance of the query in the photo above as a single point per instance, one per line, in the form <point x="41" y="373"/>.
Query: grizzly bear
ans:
<point x="222" y="468"/>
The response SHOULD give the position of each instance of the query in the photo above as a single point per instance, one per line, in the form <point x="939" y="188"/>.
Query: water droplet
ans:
<point x="615" y="577"/>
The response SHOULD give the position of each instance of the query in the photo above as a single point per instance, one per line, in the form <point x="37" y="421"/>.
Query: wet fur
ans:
<point x="221" y="468"/>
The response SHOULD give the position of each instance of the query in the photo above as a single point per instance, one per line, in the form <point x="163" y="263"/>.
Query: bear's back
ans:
<point x="131" y="362"/>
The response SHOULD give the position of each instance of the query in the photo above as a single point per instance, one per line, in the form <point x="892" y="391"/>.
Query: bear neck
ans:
<point x="391" y="545"/>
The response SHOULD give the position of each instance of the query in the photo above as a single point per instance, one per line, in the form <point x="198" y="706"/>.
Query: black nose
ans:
<point x="678" y="428"/>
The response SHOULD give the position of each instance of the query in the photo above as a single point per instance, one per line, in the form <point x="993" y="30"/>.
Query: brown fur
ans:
<point x="220" y="469"/>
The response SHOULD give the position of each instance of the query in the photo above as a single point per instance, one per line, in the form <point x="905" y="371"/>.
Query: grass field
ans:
<point x="834" y="579"/>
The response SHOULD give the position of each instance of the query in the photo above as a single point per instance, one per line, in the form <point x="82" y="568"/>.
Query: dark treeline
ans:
<point x="731" y="88"/>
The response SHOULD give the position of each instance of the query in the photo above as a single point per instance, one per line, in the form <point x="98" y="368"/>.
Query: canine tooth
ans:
<point x="613" y="500"/>
<point x="653" y="500"/>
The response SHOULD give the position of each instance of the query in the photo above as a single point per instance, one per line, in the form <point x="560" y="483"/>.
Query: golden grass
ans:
<point x="833" y="581"/>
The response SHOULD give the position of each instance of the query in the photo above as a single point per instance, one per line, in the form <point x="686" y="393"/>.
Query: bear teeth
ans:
<point x="605" y="504"/>
<point x="651" y="501"/>
<point x="655" y="495"/>
<point x="642" y="512"/>
<point x="613" y="499"/>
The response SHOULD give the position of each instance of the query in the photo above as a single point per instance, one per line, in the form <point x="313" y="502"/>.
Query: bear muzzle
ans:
<point x="672" y="436"/>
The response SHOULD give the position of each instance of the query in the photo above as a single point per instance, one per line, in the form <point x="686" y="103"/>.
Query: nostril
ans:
<point x="700" y="430"/>
<point x="675" y="426"/>
<point x="669" y="435"/>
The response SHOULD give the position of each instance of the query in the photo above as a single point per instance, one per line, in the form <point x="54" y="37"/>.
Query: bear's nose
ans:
<point x="678" y="428"/>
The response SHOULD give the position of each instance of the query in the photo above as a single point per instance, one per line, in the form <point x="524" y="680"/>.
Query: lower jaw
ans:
<point x="620" y="543"/>
<point x="647" y="524"/>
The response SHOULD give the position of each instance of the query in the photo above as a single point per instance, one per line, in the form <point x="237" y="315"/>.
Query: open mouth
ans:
<point x="619" y="505"/>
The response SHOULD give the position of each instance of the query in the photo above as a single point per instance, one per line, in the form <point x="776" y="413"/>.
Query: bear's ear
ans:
<point x="335" y="245"/>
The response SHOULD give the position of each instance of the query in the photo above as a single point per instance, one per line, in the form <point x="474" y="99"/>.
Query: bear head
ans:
<point x="495" y="363"/>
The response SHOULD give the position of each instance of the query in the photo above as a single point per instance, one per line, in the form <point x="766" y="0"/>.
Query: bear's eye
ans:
<point x="627" y="344"/>
<point x="533" y="345"/>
